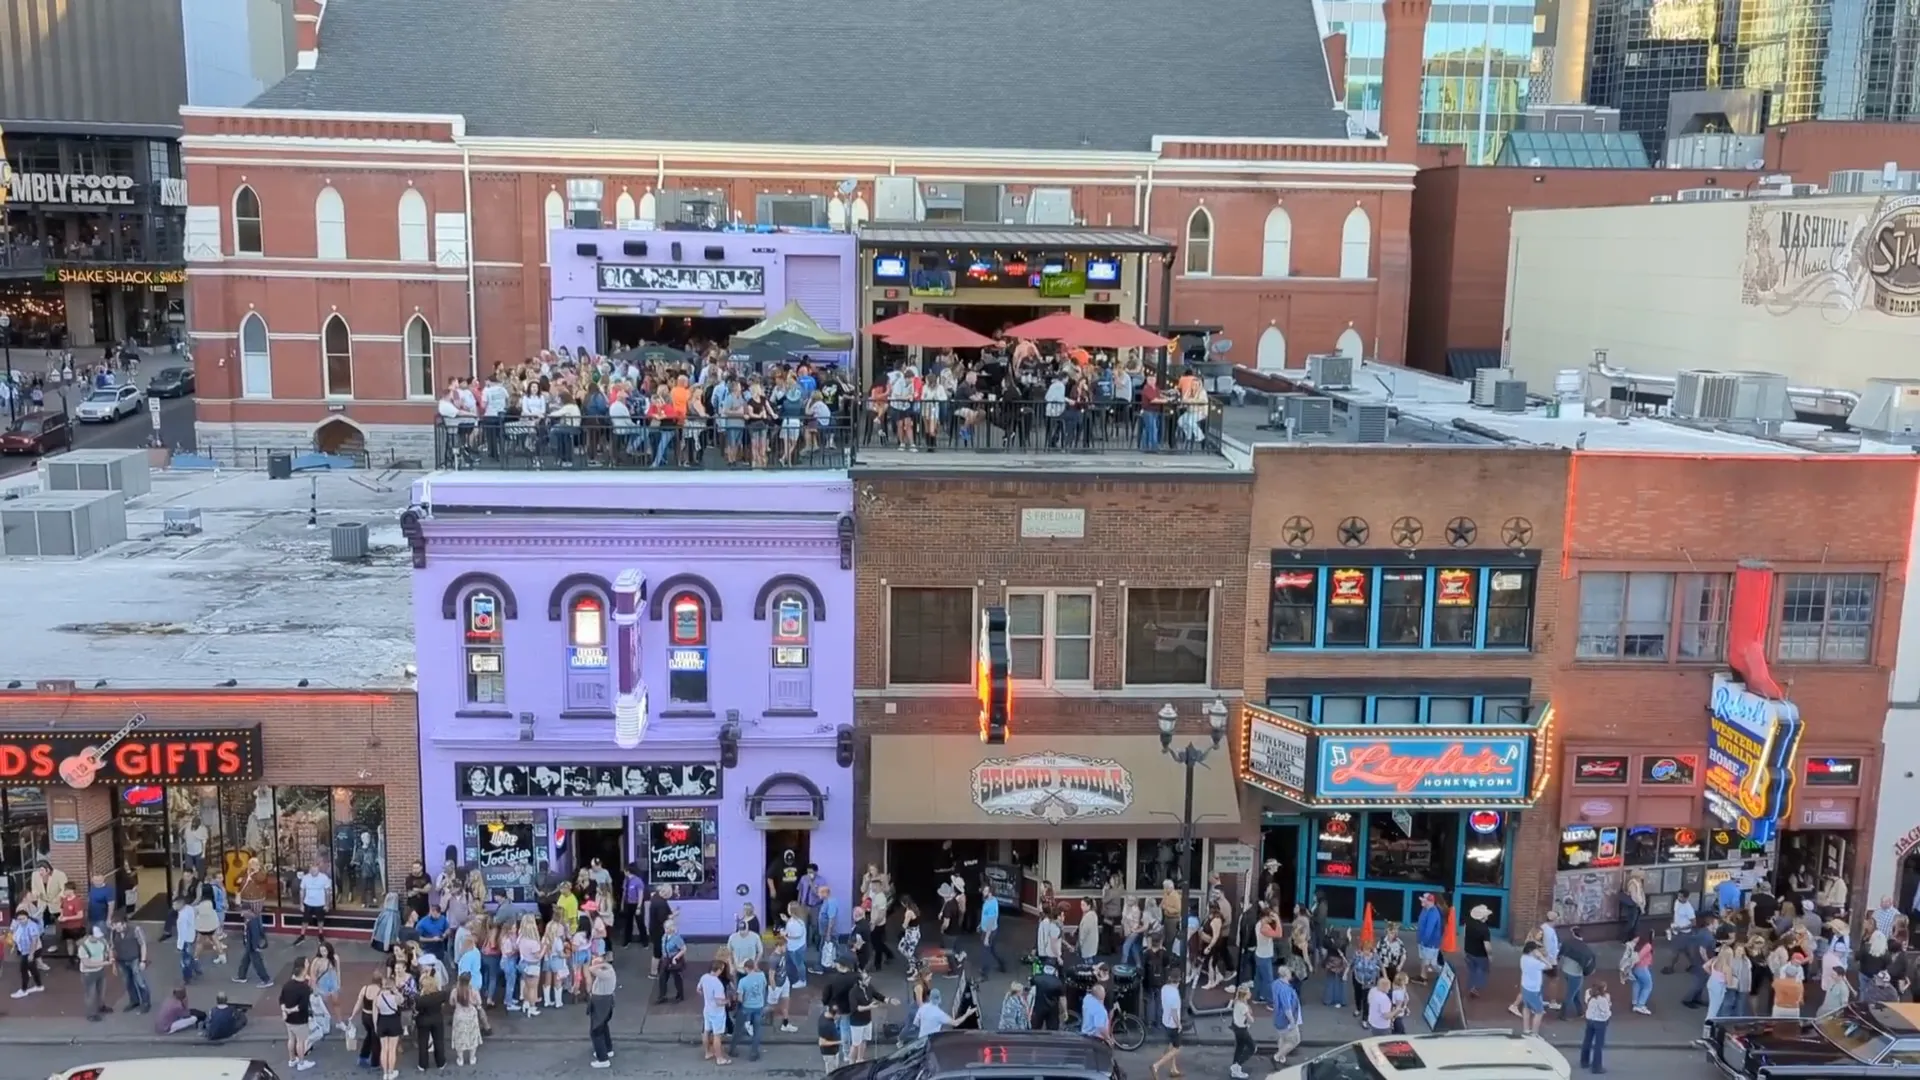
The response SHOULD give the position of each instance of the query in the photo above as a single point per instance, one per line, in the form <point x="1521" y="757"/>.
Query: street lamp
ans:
<point x="1190" y="756"/>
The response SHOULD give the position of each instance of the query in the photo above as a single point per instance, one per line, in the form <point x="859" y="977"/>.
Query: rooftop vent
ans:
<point x="1736" y="396"/>
<point x="180" y="521"/>
<point x="63" y="524"/>
<point x="1510" y="396"/>
<point x="129" y="472"/>
<point x="349" y="541"/>
<point x="1370" y="423"/>
<point x="1330" y="371"/>
<point x="1889" y="410"/>
<point x="1483" y="383"/>
<point x="1702" y="194"/>
<point x="1301" y="415"/>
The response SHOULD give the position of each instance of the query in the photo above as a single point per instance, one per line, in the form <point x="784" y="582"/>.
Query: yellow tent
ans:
<point x="793" y="319"/>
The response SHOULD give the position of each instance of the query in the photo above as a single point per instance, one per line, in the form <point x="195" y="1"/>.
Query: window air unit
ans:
<point x="1510" y="396"/>
<point x="1301" y="415"/>
<point x="1484" y="381"/>
<point x="1330" y="371"/>
<point x="791" y="211"/>
<point x="1370" y="423"/>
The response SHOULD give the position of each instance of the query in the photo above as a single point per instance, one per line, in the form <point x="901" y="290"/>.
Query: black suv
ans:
<point x="992" y="1055"/>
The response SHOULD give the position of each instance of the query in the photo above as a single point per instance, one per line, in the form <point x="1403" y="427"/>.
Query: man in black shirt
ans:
<point x="783" y="886"/>
<point x="1762" y="906"/>
<point x="951" y="916"/>
<point x="1047" y="992"/>
<point x="546" y="890"/>
<point x="418" y="886"/>
<point x="1477" y="935"/>
<point x="830" y="1041"/>
<point x="836" y="994"/>
<point x="658" y="912"/>
<point x="860" y="1020"/>
<point x="296" y="1008"/>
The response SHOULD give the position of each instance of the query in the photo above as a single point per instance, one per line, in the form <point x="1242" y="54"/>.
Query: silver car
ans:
<point x="110" y="403"/>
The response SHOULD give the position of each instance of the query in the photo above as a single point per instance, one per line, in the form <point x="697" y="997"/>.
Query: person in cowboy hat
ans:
<point x="1475" y="937"/>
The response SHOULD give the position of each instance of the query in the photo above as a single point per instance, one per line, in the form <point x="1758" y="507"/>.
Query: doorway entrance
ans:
<point x="785" y="872"/>
<point x="920" y="867"/>
<point x="1284" y="839"/>
<point x="1823" y="853"/>
<point x="587" y="839"/>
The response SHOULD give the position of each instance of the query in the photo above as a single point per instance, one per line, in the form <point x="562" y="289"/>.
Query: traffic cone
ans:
<point x="1450" y="941"/>
<point x="1366" y="928"/>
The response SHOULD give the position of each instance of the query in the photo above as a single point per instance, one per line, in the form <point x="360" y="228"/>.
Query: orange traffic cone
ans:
<point x="1450" y="941"/>
<point x="1366" y="928"/>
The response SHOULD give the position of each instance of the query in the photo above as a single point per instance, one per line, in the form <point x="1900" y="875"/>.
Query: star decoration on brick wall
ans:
<point x="1354" y="531"/>
<point x="1516" y="532"/>
<point x="1461" y="531"/>
<point x="1297" y="531"/>
<point x="1407" y="531"/>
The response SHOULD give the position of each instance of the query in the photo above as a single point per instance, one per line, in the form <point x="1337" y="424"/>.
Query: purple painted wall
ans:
<point x="737" y="543"/>
<point x="817" y="269"/>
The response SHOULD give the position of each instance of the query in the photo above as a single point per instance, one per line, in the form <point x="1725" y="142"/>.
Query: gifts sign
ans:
<point x="80" y="769"/>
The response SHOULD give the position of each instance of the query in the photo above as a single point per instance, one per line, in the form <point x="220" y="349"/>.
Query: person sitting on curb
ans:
<point x="225" y="1021"/>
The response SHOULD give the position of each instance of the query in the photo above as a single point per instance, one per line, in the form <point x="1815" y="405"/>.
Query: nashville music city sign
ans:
<point x="1052" y="787"/>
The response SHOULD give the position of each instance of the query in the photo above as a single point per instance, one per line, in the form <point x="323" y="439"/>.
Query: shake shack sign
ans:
<point x="714" y="280"/>
<point x="1050" y="787"/>
<point x="81" y="189"/>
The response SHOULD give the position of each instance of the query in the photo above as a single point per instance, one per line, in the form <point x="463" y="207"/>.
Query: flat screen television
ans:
<point x="890" y="268"/>
<point x="1103" y="271"/>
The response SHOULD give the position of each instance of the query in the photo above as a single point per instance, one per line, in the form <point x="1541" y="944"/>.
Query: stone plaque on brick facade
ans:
<point x="1047" y="523"/>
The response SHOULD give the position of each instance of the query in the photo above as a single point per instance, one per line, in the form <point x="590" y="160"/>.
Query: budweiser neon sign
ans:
<point x="1424" y="767"/>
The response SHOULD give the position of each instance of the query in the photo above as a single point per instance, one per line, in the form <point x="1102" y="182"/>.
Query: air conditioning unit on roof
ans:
<point x="1702" y="194"/>
<point x="1330" y="371"/>
<point x="1484" y="381"/>
<point x="1661" y="198"/>
<point x="1735" y="396"/>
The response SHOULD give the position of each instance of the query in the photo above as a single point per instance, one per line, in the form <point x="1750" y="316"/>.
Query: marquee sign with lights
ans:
<point x="991" y="677"/>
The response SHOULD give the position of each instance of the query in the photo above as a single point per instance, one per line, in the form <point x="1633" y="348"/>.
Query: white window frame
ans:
<point x="327" y="389"/>
<point x="1213" y="611"/>
<point x="330" y="225"/>
<point x="412" y="357"/>
<point x="416" y="244"/>
<point x="259" y="219"/>
<point x="1356" y="246"/>
<point x="1200" y="213"/>
<point x="973" y="646"/>
<point x="1276" y="244"/>
<point x="1050" y="634"/>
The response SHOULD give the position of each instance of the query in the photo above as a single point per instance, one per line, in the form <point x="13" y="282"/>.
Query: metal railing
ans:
<point x="602" y="443"/>
<point x="1036" y="427"/>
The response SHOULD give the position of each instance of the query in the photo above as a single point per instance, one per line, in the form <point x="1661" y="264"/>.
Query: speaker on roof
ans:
<point x="589" y="250"/>
<point x="676" y="251"/>
<point x="634" y="247"/>
<point x="715" y="252"/>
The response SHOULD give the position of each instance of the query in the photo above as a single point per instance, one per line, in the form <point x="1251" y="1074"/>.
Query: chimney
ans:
<point x="306" y="32"/>
<point x="1335" y="46"/>
<point x="1405" y="62"/>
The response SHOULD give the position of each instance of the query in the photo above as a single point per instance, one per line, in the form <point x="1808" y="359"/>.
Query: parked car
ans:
<point x="1859" y="1040"/>
<point x="180" y="1068"/>
<point x="1483" y="1054"/>
<point x="38" y="433"/>
<point x="171" y="382"/>
<point x="110" y="403"/>
<point x="991" y="1055"/>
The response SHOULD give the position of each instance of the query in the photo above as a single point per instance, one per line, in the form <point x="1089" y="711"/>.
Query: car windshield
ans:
<point x="1862" y="1041"/>
<point x="28" y="426"/>
<point x="109" y="394"/>
<point x="906" y="1063"/>
<point x="1346" y="1063"/>
<point x="171" y="374"/>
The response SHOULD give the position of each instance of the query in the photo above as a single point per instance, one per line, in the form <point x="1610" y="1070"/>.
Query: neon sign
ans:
<point x="1751" y="742"/>
<point x="990" y="678"/>
<point x="1416" y="768"/>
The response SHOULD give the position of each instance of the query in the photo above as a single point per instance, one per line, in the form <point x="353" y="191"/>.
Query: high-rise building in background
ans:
<point x="236" y="49"/>
<point x="1813" y="59"/>
<point x="1479" y="66"/>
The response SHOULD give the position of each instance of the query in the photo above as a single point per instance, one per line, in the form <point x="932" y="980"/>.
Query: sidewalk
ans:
<point x="56" y="1016"/>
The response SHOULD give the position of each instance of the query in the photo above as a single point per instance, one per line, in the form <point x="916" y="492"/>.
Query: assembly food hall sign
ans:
<point x="1052" y="787"/>
<point x="81" y="189"/>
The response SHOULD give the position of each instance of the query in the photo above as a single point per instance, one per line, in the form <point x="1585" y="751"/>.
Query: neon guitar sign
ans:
<point x="80" y="769"/>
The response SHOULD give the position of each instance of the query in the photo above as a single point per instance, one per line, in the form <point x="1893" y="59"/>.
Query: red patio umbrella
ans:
<point x="1078" y="330"/>
<point x="927" y="331"/>
<point x="1126" y="335"/>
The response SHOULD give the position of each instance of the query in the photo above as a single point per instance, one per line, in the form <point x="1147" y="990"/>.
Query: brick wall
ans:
<point x="963" y="530"/>
<point x="310" y="737"/>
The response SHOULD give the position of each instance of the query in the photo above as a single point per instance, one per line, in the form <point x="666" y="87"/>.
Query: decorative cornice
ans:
<point x="790" y="581"/>
<point x="567" y="584"/>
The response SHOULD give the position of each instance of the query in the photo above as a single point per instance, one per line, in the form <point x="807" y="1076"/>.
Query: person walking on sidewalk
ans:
<point x="185" y="938"/>
<point x="1577" y="961"/>
<point x="127" y="944"/>
<point x="1428" y="932"/>
<point x="1679" y="932"/>
<point x="1288" y="1017"/>
<point x="469" y="1022"/>
<point x="1593" y="1041"/>
<point x="1533" y="979"/>
<point x="1172" y="1016"/>
<point x="1240" y="1021"/>
<point x="253" y="937"/>
<point x="990" y="929"/>
<point x="296" y="1011"/>
<point x="1640" y="972"/>
<point x="752" y="990"/>
<point x="1476" y="935"/>
<point x="673" y="962"/>
<point x="430" y="1021"/>
<point x="92" y="958"/>
<point x="713" y="1011"/>
<point x="632" y="888"/>
<point x="600" y="985"/>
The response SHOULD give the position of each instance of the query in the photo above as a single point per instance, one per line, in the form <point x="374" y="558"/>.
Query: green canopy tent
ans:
<point x="793" y="319"/>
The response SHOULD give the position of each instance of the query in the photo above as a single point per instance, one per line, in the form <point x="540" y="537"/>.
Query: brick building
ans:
<point x="379" y="221"/>
<point x="266" y="731"/>
<point x="1514" y="657"/>
<point x="1124" y="586"/>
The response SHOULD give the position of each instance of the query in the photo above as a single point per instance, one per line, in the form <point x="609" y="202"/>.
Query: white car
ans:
<point x="109" y="403"/>
<point x="180" y="1068"/>
<point x="1456" y="1055"/>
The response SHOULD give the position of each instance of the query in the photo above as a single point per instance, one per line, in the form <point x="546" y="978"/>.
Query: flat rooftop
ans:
<point x="1428" y="410"/>
<point x="255" y="596"/>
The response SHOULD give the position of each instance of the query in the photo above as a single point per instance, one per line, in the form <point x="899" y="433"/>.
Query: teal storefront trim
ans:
<point x="1343" y="860"/>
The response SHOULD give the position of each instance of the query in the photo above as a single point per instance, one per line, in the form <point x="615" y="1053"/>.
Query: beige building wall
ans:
<point x="1801" y="287"/>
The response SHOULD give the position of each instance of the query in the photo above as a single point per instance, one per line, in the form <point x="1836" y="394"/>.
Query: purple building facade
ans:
<point x="611" y="284"/>
<point x="653" y="670"/>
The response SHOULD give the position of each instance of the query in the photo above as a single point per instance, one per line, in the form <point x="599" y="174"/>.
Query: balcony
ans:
<point x="994" y="435"/>
<point x="23" y="255"/>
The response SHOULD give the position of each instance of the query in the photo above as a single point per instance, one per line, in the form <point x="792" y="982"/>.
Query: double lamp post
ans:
<point x="1190" y="757"/>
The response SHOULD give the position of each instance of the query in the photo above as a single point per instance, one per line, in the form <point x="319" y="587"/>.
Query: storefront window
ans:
<point x="1456" y="607"/>
<point x="507" y="846"/>
<point x="1725" y="844"/>
<point x="687" y="650"/>
<point x="1642" y="847"/>
<point x="246" y="819"/>
<point x="25" y="818"/>
<point x="1681" y="845"/>
<point x="1411" y="846"/>
<point x="359" y="847"/>
<point x="1590" y="847"/>
<point x="1336" y="851"/>
<point x="1484" y="863"/>
<point x="1087" y="865"/>
<point x="683" y="851"/>
<point x="1158" y="861"/>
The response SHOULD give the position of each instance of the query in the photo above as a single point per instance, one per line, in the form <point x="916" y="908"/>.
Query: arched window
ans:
<point x="1350" y="344"/>
<point x="687" y="648"/>
<point x="330" y="224"/>
<point x="256" y="358"/>
<point x="589" y="662"/>
<point x="1276" y="252"/>
<point x="414" y="246"/>
<point x="556" y="211"/>
<point x="1200" y="242"/>
<point x="861" y="214"/>
<point x="336" y="346"/>
<point x="836" y="213"/>
<point x="792" y="624"/>
<point x="484" y="643"/>
<point x="1271" y="353"/>
<point x="649" y="209"/>
<point x="1356" y="245"/>
<point x="246" y="222"/>
<point x="419" y="341"/>
<point x="623" y="211"/>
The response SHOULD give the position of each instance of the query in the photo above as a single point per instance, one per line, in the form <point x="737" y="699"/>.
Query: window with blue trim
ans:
<point x="1342" y="710"/>
<point x="1401" y="607"/>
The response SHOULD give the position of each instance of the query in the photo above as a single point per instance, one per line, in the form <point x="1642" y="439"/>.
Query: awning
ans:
<point x="1027" y="238"/>
<point x="794" y="320"/>
<point x="1066" y="787"/>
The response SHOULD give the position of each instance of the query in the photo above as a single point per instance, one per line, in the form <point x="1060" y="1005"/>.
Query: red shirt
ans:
<point x="73" y="910"/>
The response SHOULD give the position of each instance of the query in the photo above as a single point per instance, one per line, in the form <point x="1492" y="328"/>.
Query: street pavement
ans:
<point x="176" y="414"/>
<point x="516" y="1060"/>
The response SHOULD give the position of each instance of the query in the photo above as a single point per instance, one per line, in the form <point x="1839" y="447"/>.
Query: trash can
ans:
<point x="279" y="466"/>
